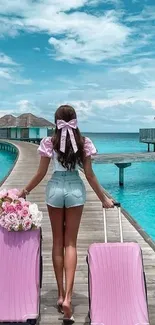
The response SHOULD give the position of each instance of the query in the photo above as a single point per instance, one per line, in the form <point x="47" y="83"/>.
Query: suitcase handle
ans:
<point x="118" y="205"/>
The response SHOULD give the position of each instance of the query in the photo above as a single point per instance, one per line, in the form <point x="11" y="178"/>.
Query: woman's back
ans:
<point x="46" y="149"/>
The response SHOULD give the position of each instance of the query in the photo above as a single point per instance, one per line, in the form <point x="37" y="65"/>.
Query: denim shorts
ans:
<point x="65" y="189"/>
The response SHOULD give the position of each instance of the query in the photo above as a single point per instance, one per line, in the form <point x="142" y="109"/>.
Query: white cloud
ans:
<point x="36" y="49"/>
<point x="108" y="39"/>
<point x="95" y="2"/>
<point x="138" y="111"/>
<point x="4" y="112"/>
<point x="25" y="106"/>
<point x="120" y="89"/>
<point x="132" y="69"/>
<point x="26" y="7"/>
<point x="147" y="14"/>
<point x="13" y="77"/>
<point x="4" y="59"/>
<point x="76" y="35"/>
<point x="10" y="26"/>
<point x="130" y="85"/>
<point x="113" y="115"/>
<point x="18" y="80"/>
<point x="84" y="110"/>
<point x="126" y="112"/>
<point x="5" y="73"/>
<point x="11" y="71"/>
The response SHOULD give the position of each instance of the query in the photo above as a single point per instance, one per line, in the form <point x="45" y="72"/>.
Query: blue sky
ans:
<point x="97" y="55"/>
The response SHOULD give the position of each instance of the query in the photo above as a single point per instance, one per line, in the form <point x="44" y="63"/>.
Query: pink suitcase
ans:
<point x="20" y="276"/>
<point x="116" y="282"/>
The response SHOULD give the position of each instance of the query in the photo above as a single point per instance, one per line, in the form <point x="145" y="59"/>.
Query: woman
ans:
<point x="66" y="195"/>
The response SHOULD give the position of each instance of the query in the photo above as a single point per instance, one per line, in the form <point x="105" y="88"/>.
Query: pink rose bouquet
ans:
<point x="17" y="214"/>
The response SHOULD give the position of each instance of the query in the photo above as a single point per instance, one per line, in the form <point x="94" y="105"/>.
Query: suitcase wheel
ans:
<point x="32" y="321"/>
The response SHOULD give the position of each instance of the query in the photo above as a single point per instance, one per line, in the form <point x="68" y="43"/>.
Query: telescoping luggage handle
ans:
<point x="118" y="205"/>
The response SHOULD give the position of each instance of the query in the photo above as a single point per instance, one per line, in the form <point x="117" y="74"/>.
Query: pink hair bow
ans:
<point x="67" y="126"/>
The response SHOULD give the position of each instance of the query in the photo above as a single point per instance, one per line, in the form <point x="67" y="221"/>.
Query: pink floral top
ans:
<point x="46" y="147"/>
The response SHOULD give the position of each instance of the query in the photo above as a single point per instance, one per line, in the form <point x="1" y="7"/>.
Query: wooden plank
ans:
<point x="91" y="230"/>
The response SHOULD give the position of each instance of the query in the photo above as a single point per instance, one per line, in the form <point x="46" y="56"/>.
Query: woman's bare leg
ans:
<point x="57" y="223"/>
<point x="72" y="220"/>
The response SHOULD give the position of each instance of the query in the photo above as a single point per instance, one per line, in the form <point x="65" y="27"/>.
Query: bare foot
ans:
<point x="67" y="309"/>
<point x="59" y="304"/>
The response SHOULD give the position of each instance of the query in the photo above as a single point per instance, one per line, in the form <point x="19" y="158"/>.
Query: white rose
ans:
<point x="38" y="224"/>
<point x="33" y="208"/>
<point x="36" y="219"/>
<point x="40" y="215"/>
<point x="36" y="215"/>
<point x="16" y="225"/>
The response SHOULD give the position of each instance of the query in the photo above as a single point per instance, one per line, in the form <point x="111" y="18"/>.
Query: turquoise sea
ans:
<point x="6" y="161"/>
<point x="138" y="194"/>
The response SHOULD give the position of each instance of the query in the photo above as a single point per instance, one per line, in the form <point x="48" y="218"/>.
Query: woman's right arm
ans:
<point x="40" y="174"/>
<point x="45" y="150"/>
<point x="92" y="180"/>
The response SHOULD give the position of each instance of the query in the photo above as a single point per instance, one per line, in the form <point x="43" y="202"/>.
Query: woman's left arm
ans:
<point x="41" y="172"/>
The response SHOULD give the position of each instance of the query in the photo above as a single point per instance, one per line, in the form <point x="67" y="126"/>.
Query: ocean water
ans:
<point x="138" y="194"/>
<point x="7" y="160"/>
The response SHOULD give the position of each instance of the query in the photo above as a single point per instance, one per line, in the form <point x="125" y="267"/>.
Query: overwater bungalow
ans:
<point x="147" y="136"/>
<point x="25" y="127"/>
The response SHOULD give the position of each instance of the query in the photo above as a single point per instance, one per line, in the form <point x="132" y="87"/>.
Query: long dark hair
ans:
<point x="69" y="159"/>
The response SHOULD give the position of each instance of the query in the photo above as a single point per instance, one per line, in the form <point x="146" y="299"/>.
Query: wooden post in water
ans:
<point x="121" y="167"/>
<point x="148" y="147"/>
<point x="121" y="176"/>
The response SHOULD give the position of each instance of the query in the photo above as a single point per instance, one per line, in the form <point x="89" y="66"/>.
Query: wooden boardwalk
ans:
<point x="115" y="158"/>
<point x="91" y="230"/>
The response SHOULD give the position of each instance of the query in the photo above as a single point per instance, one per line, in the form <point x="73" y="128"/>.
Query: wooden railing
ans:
<point x="8" y="147"/>
<point x="34" y="140"/>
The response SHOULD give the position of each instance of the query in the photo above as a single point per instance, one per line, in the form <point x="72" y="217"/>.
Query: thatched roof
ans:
<point x="25" y="120"/>
<point x="7" y="120"/>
